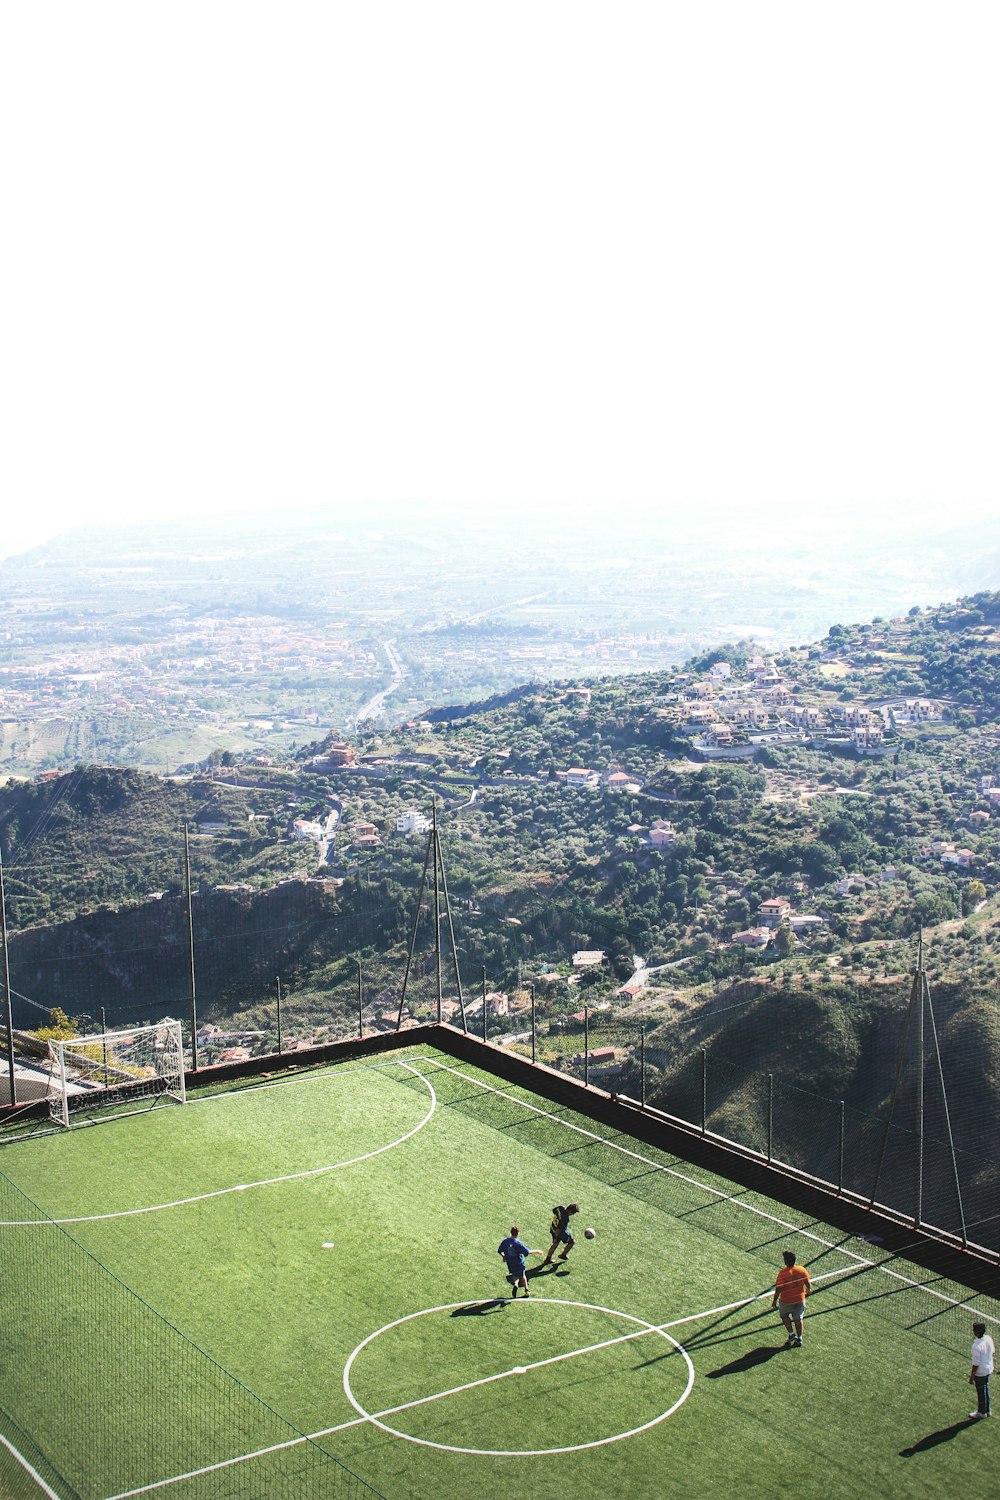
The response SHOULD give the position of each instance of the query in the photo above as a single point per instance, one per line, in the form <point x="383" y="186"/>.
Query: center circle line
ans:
<point x="644" y="1328"/>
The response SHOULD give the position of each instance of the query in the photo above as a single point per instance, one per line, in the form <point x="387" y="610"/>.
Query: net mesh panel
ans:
<point x="310" y="936"/>
<point x="101" y="1394"/>
<point x="841" y="1144"/>
<point x="926" y="1303"/>
<point x="21" y="1462"/>
<point x="113" y="1068"/>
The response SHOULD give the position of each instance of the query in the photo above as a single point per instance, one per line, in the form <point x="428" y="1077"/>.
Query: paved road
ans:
<point x="375" y="705"/>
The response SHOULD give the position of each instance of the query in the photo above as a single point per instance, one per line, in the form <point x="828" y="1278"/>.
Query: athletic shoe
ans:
<point x="978" y="1416"/>
<point x="797" y="1342"/>
<point x="789" y="1343"/>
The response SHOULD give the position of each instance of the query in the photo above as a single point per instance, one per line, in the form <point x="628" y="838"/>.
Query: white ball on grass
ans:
<point x="590" y="1234"/>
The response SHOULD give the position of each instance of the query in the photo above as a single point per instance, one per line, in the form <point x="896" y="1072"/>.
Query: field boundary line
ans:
<point x="30" y="1469"/>
<point x="705" y="1187"/>
<point x="153" y="1208"/>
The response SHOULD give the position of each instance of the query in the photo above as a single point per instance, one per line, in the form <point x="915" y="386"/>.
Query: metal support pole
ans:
<point x="770" y="1115"/>
<point x="413" y="935"/>
<point x="451" y="934"/>
<point x="642" y="1065"/>
<point x="586" y="1046"/>
<point x="900" y="1064"/>
<point x="485" y="1037"/>
<point x="191" y="980"/>
<point x="531" y="991"/>
<point x="277" y="987"/>
<point x="918" y="1215"/>
<point x="840" y="1162"/>
<point x="437" y="915"/>
<point x="361" y="1002"/>
<point x="104" y="1042"/>
<point x="704" y="1091"/>
<point x="947" y="1114"/>
<point x="8" y="1021"/>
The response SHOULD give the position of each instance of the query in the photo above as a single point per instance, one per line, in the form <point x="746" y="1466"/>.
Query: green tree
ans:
<point x="974" y="892"/>
<point x="784" y="940"/>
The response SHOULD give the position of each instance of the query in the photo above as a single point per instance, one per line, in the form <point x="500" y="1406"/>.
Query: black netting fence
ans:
<point x="824" y="1079"/>
<point x="940" y="1173"/>
<point x="101" y="1396"/>
<point x="846" y="1269"/>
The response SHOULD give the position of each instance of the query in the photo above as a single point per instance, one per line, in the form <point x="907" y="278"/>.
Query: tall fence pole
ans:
<point x="437" y="915"/>
<point x="840" y="1163"/>
<point x="704" y="1091"/>
<point x="918" y="1216"/>
<point x="361" y="1001"/>
<point x="192" y="992"/>
<point x="642" y="1064"/>
<point x="770" y="1115"/>
<point x="485" y="1037"/>
<point x="531" y="992"/>
<point x="8" y="1021"/>
<point x="277" y="996"/>
<point x="586" y="1046"/>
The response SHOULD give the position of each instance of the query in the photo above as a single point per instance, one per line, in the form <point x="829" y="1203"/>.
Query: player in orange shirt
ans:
<point x="791" y="1288"/>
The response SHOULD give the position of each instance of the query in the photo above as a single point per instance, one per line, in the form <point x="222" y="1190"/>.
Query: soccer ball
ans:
<point x="589" y="1234"/>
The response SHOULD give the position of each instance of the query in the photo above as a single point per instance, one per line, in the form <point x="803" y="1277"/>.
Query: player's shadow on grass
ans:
<point x="933" y="1439"/>
<point x="476" y="1309"/>
<point x="748" y="1361"/>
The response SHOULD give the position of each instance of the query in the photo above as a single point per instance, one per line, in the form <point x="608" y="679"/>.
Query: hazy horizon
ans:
<point x="734" y="260"/>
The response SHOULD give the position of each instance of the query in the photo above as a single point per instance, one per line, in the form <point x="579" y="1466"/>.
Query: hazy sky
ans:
<point x="735" y="254"/>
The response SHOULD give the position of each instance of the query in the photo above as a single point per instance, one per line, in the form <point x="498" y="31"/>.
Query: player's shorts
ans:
<point x="515" y="1268"/>
<point x="792" y="1309"/>
<point x="565" y="1238"/>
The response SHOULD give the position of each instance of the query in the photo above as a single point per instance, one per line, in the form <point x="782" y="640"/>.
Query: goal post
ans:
<point x="116" y="1067"/>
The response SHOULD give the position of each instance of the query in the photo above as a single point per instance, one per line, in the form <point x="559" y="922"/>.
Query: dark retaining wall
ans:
<point x="942" y="1253"/>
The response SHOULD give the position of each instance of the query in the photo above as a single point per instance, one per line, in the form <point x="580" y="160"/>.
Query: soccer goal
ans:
<point x="116" y="1067"/>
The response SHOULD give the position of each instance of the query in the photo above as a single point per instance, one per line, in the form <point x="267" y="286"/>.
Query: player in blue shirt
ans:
<point x="560" y="1231"/>
<point x="515" y="1252"/>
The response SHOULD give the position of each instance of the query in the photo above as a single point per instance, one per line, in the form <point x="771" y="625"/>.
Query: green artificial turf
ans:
<point x="281" y="1242"/>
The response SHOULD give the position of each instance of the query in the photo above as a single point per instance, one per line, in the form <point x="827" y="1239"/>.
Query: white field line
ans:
<point x="155" y="1208"/>
<point x="45" y="1488"/>
<point x="328" y="1075"/>
<point x="705" y="1187"/>
<point x="391" y="1411"/>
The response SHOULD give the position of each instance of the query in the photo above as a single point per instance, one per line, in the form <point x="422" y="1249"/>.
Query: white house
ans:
<point x="302" y="828"/>
<point x="579" y="776"/>
<point x="411" y="822"/>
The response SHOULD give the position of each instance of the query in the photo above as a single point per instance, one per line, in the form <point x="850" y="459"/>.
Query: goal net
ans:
<point x="116" y="1067"/>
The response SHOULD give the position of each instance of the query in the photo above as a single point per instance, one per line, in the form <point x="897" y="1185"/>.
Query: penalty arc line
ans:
<point x="154" y="1208"/>
<point x="861" y="1260"/>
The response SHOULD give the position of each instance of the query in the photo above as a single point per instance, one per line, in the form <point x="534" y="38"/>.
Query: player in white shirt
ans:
<point x="983" y="1358"/>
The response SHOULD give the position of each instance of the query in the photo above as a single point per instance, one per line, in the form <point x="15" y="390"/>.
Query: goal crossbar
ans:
<point x="115" y="1067"/>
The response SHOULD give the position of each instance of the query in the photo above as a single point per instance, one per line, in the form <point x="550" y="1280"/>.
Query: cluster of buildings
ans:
<point x="730" y="718"/>
<point x="615" y="781"/>
<point x="772" y="914"/>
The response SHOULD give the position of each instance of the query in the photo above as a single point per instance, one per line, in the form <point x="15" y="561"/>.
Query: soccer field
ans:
<point x="291" y="1288"/>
